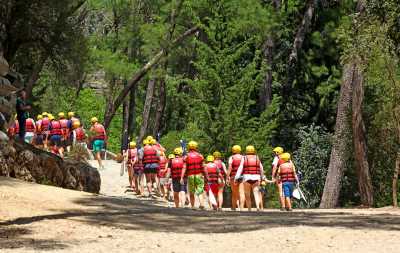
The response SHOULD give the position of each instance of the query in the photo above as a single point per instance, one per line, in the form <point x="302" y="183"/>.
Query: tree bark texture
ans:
<point x="265" y="96"/>
<point x="298" y="43"/>
<point x="160" y="107"/>
<point x="125" y="125"/>
<point x="340" y="143"/>
<point x="359" y="140"/>
<point x="132" y="112"/>
<point x="140" y="74"/>
<point x="147" y="109"/>
<point x="395" y="180"/>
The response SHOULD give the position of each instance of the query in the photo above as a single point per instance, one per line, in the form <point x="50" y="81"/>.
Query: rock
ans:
<point x="4" y="67"/>
<point x="5" y="87"/>
<point x="23" y="161"/>
<point x="3" y="137"/>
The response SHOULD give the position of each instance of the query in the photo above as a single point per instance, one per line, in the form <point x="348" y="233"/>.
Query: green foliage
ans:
<point x="312" y="159"/>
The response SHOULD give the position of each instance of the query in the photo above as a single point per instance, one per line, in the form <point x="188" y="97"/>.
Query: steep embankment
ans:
<point x="37" y="217"/>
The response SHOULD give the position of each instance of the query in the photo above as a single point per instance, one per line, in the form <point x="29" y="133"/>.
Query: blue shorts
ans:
<point x="151" y="168"/>
<point x="98" y="145"/>
<point x="288" y="189"/>
<point x="177" y="186"/>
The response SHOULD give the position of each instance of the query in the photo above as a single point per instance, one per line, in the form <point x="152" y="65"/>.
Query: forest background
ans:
<point x="317" y="77"/>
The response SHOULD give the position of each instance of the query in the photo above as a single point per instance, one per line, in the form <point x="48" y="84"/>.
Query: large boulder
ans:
<point x="23" y="161"/>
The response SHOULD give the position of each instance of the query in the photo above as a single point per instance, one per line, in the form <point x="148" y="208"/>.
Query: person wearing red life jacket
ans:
<point x="131" y="159"/>
<point x="175" y="167"/>
<point x="275" y="165"/>
<point x="38" y="134"/>
<point x="78" y="135"/>
<point x="287" y="174"/>
<point x="70" y="122"/>
<point x="252" y="171"/>
<point x="163" y="177"/>
<point x="196" y="173"/>
<point x="30" y="129"/>
<point x="215" y="179"/>
<point x="138" y="172"/>
<point x="55" y="135"/>
<point x="151" y="162"/>
<point x="222" y="168"/>
<point x="99" y="139"/>
<point x="237" y="187"/>
<point x="45" y="129"/>
<point x="64" y="129"/>
<point x="13" y="130"/>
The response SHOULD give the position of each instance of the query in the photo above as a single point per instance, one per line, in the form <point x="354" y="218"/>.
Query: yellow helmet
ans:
<point x="51" y="117"/>
<point x="153" y="141"/>
<point x="70" y="114"/>
<point x="171" y="156"/>
<point x="132" y="144"/>
<point x="278" y="150"/>
<point x="39" y="117"/>
<point x="146" y="142"/>
<point x="217" y="154"/>
<point x="285" y="157"/>
<point x="149" y="137"/>
<point x="76" y="124"/>
<point x="178" y="151"/>
<point x="61" y="115"/>
<point x="250" y="150"/>
<point x="236" y="149"/>
<point x="210" y="158"/>
<point x="192" y="145"/>
<point x="45" y="114"/>
<point x="94" y="120"/>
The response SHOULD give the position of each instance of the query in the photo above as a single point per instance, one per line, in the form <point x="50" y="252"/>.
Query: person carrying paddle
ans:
<point x="275" y="164"/>
<point x="287" y="174"/>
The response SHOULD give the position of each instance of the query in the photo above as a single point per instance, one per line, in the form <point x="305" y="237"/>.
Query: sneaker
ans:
<point x="289" y="210"/>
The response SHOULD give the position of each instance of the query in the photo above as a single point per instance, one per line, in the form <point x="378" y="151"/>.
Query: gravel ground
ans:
<point x="38" y="218"/>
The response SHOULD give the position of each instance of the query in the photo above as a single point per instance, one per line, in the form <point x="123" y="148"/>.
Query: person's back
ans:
<point x="213" y="172"/>
<point x="194" y="163"/>
<point x="251" y="165"/>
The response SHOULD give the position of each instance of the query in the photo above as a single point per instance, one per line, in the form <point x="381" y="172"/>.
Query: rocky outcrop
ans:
<point x="23" y="161"/>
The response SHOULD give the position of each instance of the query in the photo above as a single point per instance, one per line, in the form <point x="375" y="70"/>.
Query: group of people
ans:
<point x="191" y="176"/>
<point x="57" y="134"/>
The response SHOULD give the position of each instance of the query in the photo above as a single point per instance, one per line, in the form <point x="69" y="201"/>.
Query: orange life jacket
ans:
<point x="176" y="167"/>
<point x="100" y="132"/>
<point x="218" y="162"/>
<point x="29" y="126"/>
<point x="251" y="165"/>
<point x="55" y="128"/>
<point x="80" y="134"/>
<point x="286" y="172"/>
<point x="194" y="163"/>
<point x="213" y="173"/>
<point x="150" y="155"/>
<point x="236" y="160"/>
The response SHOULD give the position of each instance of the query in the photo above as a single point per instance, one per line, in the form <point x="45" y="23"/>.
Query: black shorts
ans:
<point x="39" y="139"/>
<point x="151" y="168"/>
<point x="177" y="186"/>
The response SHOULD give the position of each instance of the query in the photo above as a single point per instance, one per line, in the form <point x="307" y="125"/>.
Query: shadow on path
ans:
<point x="144" y="215"/>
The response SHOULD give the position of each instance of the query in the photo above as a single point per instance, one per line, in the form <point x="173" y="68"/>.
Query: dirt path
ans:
<point x="37" y="218"/>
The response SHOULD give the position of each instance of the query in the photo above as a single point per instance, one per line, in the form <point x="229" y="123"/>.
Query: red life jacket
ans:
<point x="213" y="172"/>
<point x="218" y="162"/>
<point x="55" y="128"/>
<point x="16" y="127"/>
<point x="45" y="124"/>
<point x="194" y="163"/>
<point x="80" y="134"/>
<point x="150" y="155"/>
<point x="64" y="127"/>
<point x="280" y="162"/>
<point x="251" y="165"/>
<point x="132" y="153"/>
<point x="138" y="165"/>
<point x="163" y="162"/>
<point x="39" y="126"/>
<point x="100" y="132"/>
<point x="176" y="167"/>
<point x="29" y="126"/>
<point x="286" y="172"/>
<point x="236" y="160"/>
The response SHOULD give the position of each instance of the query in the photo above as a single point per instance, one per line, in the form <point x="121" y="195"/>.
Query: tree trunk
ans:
<point x="360" y="142"/>
<point x="146" y="109"/>
<point x="140" y="74"/>
<point x="132" y="112"/>
<point x="265" y="96"/>
<point x="125" y="122"/>
<point x="337" y="161"/>
<point x="395" y="180"/>
<point x="298" y="43"/>
<point x="35" y="76"/>
<point x="162" y="96"/>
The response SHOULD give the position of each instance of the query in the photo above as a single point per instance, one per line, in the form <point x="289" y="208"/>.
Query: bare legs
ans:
<point x="252" y="187"/>
<point x="150" y="179"/>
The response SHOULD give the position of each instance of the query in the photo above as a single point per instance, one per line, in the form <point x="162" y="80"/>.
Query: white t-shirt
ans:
<point x="275" y="161"/>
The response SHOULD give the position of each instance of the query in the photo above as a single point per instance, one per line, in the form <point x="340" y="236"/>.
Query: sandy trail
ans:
<point x="37" y="218"/>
